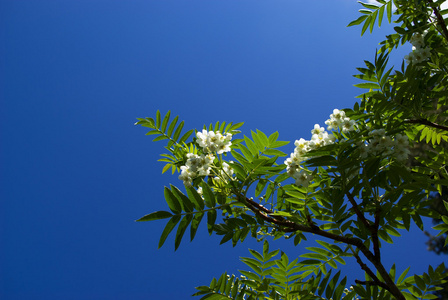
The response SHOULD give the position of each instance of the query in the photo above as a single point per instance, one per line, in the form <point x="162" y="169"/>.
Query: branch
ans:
<point x="357" y="211"/>
<point x="379" y="283"/>
<point x="370" y="272"/>
<point x="289" y="226"/>
<point x="428" y="123"/>
<point x="440" y="19"/>
<point x="376" y="226"/>
<point x="373" y="228"/>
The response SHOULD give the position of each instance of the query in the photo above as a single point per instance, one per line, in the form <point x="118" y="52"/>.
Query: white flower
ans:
<point x="302" y="146"/>
<point x="332" y="124"/>
<point x="337" y="114"/>
<point x="363" y="149"/>
<point x="419" y="52"/>
<point x="195" y="166"/>
<point x="347" y="125"/>
<point x="339" y="120"/>
<point x="402" y="154"/>
<point x="317" y="129"/>
<point x="302" y="178"/>
<point x="214" y="141"/>
<point x="401" y="141"/>
<point x="187" y="175"/>
<point x="330" y="139"/>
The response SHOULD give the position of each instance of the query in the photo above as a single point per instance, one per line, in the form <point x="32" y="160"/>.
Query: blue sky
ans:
<point x="75" y="171"/>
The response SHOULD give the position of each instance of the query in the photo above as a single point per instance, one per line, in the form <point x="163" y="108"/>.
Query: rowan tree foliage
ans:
<point x="354" y="183"/>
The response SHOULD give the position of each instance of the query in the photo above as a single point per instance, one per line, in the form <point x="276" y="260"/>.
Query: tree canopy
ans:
<point x="372" y="171"/>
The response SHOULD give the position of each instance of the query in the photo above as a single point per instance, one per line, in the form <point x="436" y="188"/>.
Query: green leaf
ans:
<point x="165" y="121"/>
<point x="273" y="137"/>
<point x="247" y="154"/>
<point x="185" y="203"/>
<point x="159" y="138"/>
<point x="357" y="21"/>
<point x="251" y="146"/>
<point x="178" y="131"/>
<point x="403" y="275"/>
<point x="209" y="197"/>
<point x="168" y="228"/>
<point x="314" y="256"/>
<point x="384" y="236"/>
<point x="420" y="282"/>
<point x="172" y="126"/>
<point x="158" y="119"/>
<point x="195" y="198"/>
<point x="172" y="201"/>
<point x="389" y="11"/>
<point x="367" y="85"/>
<point x="367" y="5"/>
<point x="155" y="216"/>
<point x="195" y="224"/>
<point x="366" y="25"/>
<point x="211" y="218"/>
<point x="256" y="255"/>
<point x="263" y="138"/>
<point x="380" y="15"/>
<point x="185" y="136"/>
<point x="257" y="140"/>
<point x="274" y="152"/>
<point x="181" y="230"/>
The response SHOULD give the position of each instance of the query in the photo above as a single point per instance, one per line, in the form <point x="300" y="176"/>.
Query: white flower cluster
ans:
<point x="419" y="51"/>
<point x="339" y="120"/>
<point x="319" y="138"/>
<point x="214" y="141"/>
<point x="379" y="143"/>
<point x="226" y="173"/>
<point x="196" y="166"/>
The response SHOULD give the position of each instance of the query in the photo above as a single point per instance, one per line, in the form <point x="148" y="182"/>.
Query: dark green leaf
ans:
<point x="195" y="198"/>
<point x="155" y="216"/>
<point x="211" y="218"/>
<point x="168" y="228"/>
<point x="183" y="200"/>
<point x="357" y="21"/>
<point x="172" y="201"/>
<point x="181" y="230"/>
<point x="208" y="195"/>
<point x="195" y="224"/>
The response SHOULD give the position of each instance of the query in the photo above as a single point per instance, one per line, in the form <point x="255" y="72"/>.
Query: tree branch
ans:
<point x="370" y="272"/>
<point x="375" y="240"/>
<point x="289" y="226"/>
<point x="440" y="19"/>
<point x="379" y="283"/>
<point x="428" y="123"/>
<point x="357" y="211"/>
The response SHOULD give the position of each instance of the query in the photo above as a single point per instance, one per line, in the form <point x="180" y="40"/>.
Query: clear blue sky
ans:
<point x="76" y="172"/>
